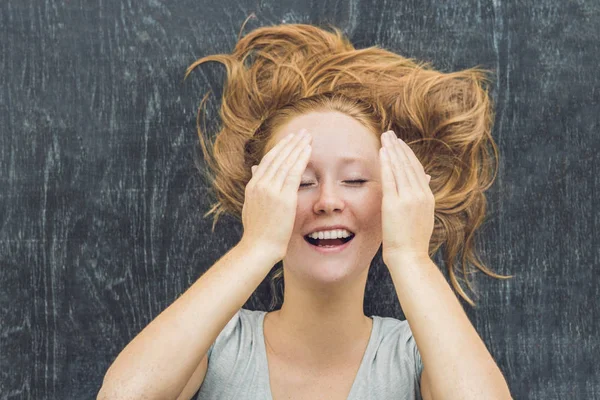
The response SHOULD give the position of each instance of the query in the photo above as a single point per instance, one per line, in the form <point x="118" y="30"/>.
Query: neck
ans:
<point x="325" y="331"/>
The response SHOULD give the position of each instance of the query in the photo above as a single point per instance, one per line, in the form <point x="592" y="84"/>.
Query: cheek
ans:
<point x="303" y="210"/>
<point x="372" y="214"/>
<point x="368" y="209"/>
<point x="372" y="200"/>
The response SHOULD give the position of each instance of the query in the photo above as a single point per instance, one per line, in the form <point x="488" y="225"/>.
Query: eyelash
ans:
<point x="353" y="181"/>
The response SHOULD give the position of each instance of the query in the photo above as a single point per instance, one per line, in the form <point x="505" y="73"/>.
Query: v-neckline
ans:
<point x="370" y="344"/>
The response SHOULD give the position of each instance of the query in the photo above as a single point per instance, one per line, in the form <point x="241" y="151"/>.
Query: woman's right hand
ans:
<point x="271" y="196"/>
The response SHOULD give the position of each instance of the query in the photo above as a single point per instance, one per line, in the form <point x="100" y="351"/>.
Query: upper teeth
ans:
<point x="334" y="234"/>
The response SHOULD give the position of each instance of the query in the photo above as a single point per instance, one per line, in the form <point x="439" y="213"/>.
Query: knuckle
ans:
<point x="260" y="185"/>
<point x="271" y="192"/>
<point x="408" y="199"/>
<point x="250" y="186"/>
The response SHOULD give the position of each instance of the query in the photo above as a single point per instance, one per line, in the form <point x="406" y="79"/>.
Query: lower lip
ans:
<point x="329" y="250"/>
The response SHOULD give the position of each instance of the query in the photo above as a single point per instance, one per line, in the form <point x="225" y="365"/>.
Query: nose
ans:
<point x="329" y="199"/>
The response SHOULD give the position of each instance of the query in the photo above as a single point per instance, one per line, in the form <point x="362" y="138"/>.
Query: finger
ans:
<point x="396" y="157"/>
<point x="388" y="182"/>
<point x="264" y="164"/>
<point x="403" y="161"/>
<point x="293" y="177"/>
<point x="278" y="161"/>
<point x="288" y="164"/>
<point x="417" y="168"/>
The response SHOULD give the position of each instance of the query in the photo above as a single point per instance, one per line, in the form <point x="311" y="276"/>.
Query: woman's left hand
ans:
<point x="408" y="204"/>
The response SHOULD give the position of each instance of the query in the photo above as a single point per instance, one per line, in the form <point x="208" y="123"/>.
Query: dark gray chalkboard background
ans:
<point x="101" y="208"/>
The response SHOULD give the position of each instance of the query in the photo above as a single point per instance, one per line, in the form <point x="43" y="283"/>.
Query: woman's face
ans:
<point x="327" y="195"/>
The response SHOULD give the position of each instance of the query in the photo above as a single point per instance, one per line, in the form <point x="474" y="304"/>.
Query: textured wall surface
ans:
<point x="101" y="207"/>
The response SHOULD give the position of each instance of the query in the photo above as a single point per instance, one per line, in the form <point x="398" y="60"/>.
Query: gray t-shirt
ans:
<point x="238" y="369"/>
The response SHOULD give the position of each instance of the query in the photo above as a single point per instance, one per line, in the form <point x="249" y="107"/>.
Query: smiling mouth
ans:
<point x="328" y="242"/>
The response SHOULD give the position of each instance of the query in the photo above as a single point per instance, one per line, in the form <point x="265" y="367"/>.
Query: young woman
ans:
<point x="385" y="152"/>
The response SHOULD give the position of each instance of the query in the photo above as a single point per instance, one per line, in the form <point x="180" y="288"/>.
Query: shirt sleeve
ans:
<point x="412" y="356"/>
<point x="413" y="350"/>
<point x="417" y="356"/>
<point x="397" y="360"/>
<point x="231" y="329"/>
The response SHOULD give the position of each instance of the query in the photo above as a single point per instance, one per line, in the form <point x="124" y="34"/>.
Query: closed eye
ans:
<point x="356" y="181"/>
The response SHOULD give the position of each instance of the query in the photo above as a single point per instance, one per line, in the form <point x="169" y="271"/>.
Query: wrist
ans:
<point x="403" y="257"/>
<point x="260" y="253"/>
